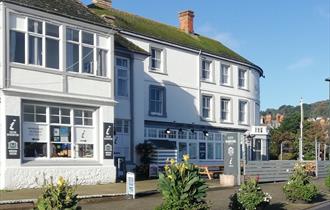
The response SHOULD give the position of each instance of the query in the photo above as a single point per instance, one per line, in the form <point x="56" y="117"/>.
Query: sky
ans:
<point x="289" y="40"/>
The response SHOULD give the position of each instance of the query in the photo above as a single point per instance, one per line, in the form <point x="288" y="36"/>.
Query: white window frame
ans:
<point x="244" y="79"/>
<point x="246" y="108"/>
<point x="160" y="60"/>
<point x="162" y="100"/>
<point x="74" y="142"/>
<point x="229" y="74"/>
<point x="229" y="110"/>
<point x="210" y="108"/>
<point x="127" y="78"/>
<point x="209" y="71"/>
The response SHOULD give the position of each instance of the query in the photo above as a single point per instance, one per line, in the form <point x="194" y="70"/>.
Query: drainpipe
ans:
<point x="199" y="80"/>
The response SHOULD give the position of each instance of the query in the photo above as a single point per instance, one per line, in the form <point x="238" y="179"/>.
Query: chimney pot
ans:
<point x="186" y="19"/>
<point x="106" y="4"/>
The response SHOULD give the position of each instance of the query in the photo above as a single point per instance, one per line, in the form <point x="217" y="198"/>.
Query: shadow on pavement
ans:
<point x="276" y="206"/>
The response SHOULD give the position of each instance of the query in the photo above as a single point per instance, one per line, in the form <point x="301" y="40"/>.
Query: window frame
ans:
<point x="160" y="60"/>
<point x="209" y="71"/>
<point x="245" y="79"/>
<point x="229" y="110"/>
<point x="246" y="108"/>
<point x="127" y="78"/>
<point x="163" y="102"/>
<point x="210" y="108"/>
<point x="229" y="74"/>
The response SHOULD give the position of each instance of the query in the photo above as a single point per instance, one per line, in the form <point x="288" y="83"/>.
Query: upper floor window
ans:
<point x="242" y="83"/>
<point x="225" y="110"/>
<point x="122" y="74"/>
<point x="206" y="70"/>
<point x="36" y="42"/>
<point x="206" y="107"/>
<point x="242" y="109"/>
<point x="156" y="59"/>
<point x="225" y="74"/>
<point x="157" y="103"/>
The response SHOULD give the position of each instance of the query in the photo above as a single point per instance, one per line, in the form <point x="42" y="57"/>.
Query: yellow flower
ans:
<point x="166" y="167"/>
<point x="60" y="181"/>
<point x="170" y="177"/>
<point x="185" y="158"/>
<point x="172" y="161"/>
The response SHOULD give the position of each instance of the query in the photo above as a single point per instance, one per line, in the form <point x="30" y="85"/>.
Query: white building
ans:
<point x="57" y="99"/>
<point x="188" y="93"/>
<point x="70" y="73"/>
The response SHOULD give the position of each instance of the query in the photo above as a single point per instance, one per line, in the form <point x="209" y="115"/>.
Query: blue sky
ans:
<point x="290" y="40"/>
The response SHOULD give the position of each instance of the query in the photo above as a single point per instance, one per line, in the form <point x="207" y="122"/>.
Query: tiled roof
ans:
<point x="149" y="28"/>
<point x="121" y="41"/>
<point x="69" y="8"/>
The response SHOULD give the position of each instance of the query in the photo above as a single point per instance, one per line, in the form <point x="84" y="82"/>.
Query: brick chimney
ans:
<point x="186" y="19"/>
<point x="106" y="4"/>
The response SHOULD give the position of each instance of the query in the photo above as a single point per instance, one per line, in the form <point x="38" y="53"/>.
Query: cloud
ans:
<point x="226" y="38"/>
<point x="301" y="63"/>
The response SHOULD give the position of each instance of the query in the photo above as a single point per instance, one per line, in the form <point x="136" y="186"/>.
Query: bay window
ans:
<point x="57" y="132"/>
<point x="85" y="52"/>
<point x="242" y="78"/>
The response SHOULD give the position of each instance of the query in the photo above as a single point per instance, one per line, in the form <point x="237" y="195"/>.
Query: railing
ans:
<point x="159" y="157"/>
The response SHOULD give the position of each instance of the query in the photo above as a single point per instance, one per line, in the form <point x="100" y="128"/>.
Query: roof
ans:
<point x="146" y="27"/>
<point x="69" y="8"/>
<point x="130" y="46"/>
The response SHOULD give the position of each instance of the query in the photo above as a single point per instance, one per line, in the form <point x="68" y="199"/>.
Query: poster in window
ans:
<point x="13" y="137"/>
<point x="84" y="135"/>
<point x="108" y="140"/>
<point x="34" y="132"/>
<point x="56" y="132"/>
<point x="64" y="133"/>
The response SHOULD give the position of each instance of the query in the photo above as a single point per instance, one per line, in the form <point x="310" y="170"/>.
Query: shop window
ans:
<point x="34" y="113"/>
<point x="193" y="150"/>
<point x="35" y="150"/>
<point x="202" y="151"/>
<point x="60" y="138"/>
<point x="210" y="151"/>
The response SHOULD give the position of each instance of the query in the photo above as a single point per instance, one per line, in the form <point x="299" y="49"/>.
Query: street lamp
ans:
<point x="328" y="80"/>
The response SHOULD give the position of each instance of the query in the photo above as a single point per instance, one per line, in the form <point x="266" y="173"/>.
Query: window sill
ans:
<point x="57" y="162"/>
<point x="226" y="122"/>
<point x="243" y="124"/>
<point x="207" y="120"/>
<point x="157" y="115"/>
<point x="209" y="82"/>
<point x="227" y="85"/>
<point x="243" y="88"/>
<point x="158" y="71"/>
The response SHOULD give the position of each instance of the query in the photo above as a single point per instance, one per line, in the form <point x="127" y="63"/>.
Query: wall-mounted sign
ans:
<point x="231" y="154"/>
<point x="13" y="137"/>
<point x="34" y="132"/>
<point x="108" y="140"/>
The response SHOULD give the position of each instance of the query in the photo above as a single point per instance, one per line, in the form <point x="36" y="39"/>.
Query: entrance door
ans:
<point x="122" y="139"/>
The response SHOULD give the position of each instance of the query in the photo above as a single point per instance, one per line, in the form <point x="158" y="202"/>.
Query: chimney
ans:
<point x="105" y="4"/>
<point x="186" y="19"/>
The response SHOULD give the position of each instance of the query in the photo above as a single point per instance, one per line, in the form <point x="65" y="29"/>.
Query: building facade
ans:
<point x="57" y="94"/>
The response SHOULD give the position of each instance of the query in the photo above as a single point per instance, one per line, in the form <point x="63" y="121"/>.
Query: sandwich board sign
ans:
<point x="130" y="184"/>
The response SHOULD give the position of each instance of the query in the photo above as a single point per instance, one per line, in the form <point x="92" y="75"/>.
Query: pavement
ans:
<point x="112" y="196"/>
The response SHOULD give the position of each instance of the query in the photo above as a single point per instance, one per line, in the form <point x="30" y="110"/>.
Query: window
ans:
<point x="52" y="46"/>
<point x="210" y="150"/>
<point x="225" y="110"/>
<point x="157" y="101"/>
<point x="193" y="150"/>
<point x="202" y="151"/>
<point x="218" y="151"/>
<point x="242" y="78"/>
<point x="206" y="70"/>
<point x="33" y="113"/>
<point x="72" y="50"/>
<point x="225" y="74"/>
<point x="242" y="112"/>
<point x="183" y="150"/>
<point x="156" y="61"/>
<point x="83" y="117"/>
<point x="122" y="74"/>
<point x="206" y="107"/>
<point x="121" y="126"/>
<point x="57" y="132"/>
<point x="35" y="42"/>
<point x="17" y="38"/>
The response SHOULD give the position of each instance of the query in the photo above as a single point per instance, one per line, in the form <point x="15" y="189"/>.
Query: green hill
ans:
<point x="317" y="109"/>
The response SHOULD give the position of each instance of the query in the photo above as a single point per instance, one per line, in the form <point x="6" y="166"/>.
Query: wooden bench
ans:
<point x="211" y="170"/>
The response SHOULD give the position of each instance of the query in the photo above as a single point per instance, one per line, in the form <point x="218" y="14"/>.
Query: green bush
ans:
<point x="57" y="197"/>
<point x="327" y="180"/>
<point x="144" y="150"/>
<point x="299" y="186"/>
<point x="249" y="197"/>
<point x="182" y="187"/>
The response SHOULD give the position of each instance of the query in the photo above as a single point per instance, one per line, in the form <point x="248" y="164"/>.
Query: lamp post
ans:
<point x="328" y="121"/>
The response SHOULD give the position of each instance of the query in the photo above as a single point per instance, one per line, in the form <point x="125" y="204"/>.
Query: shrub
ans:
<point x="299" y="186"/>
<point x="60" y="196"/>
<point x="182" y="187"/>
<point x="144" y="150"/>
<point x="327" y="180"/>
<point x="249" y="197"/>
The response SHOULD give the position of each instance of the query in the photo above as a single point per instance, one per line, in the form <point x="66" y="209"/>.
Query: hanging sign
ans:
<point x="108" y="140"/>
<point x="13" y="137"/>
